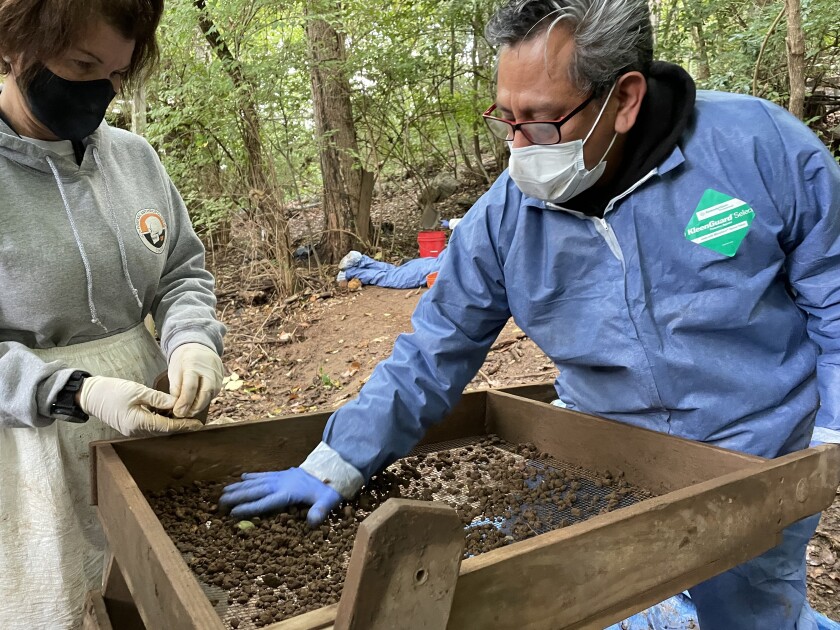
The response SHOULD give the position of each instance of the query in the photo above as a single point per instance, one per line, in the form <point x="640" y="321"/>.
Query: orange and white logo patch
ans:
<point x="151" y="226"/>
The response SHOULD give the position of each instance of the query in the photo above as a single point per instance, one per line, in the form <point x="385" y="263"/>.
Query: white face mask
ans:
<point x="557" y="172"/>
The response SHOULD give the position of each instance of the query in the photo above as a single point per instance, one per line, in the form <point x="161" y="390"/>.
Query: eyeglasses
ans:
<point x="536" y="131"/>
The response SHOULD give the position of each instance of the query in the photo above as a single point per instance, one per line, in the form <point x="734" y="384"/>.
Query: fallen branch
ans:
<point x="533" y="375"/>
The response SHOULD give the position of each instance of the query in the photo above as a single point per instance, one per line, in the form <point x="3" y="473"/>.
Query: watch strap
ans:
<point x="65" y="406"/>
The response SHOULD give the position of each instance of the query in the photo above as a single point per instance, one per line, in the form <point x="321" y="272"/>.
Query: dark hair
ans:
<point x="37" y="31"/>
<point x="611" y="36"/>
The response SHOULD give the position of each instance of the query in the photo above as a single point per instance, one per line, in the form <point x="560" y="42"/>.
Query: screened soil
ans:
<point x="270" y="568"/>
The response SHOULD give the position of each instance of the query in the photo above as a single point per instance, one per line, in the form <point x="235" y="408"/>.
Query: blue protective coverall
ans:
<point x="409" y="275"/>
<point x="733" y="347"/>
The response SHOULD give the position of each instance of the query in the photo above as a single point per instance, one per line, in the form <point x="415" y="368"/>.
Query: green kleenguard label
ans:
<point x="720" y="222"/>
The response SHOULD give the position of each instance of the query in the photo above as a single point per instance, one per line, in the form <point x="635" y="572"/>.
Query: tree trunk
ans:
<point x="478" y="61"/>
<point x="138" y="110"/>
<point x="265" y="207"/>
<point x="654" y="9"/>
<point x="796" y="58"/>
<point x="341" y="172"/>
<point x="703" y="71"/>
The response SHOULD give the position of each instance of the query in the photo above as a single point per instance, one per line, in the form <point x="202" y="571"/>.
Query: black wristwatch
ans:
<point x="65" y="406"/>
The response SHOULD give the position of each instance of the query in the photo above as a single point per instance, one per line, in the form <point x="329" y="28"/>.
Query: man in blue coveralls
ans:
<point x="676" y="253"/>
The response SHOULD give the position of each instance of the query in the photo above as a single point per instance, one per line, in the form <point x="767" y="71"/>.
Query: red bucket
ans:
<point x="431" y="243"/>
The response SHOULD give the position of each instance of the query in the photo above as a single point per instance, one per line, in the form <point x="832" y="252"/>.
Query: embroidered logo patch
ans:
<point x="151" y="226"/>
<point x="720" y="222"/>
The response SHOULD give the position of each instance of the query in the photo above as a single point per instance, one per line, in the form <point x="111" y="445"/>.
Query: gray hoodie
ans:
<point x="87" y="252"/>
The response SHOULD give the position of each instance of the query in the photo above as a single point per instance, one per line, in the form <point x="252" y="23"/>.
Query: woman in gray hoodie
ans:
<point x="93" y="238"/>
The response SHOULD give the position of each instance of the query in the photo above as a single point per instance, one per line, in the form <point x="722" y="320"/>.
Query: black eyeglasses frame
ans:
<point x="515" y="126"/>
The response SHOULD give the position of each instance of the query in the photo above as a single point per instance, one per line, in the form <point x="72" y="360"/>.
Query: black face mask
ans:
<point x="72" y="110"/>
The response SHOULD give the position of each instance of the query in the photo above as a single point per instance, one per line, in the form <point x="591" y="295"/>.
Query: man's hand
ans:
<point x="195" y="377"/>
<point x="259" y="493"/>
<point x="126" y="406"/>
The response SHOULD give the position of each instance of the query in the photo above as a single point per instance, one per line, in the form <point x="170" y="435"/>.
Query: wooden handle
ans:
<point x="403" y="568"/>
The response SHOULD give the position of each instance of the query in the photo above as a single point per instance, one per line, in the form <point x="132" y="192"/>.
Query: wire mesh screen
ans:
<point x="502" y="492"/>
<point x="586" y="492"/>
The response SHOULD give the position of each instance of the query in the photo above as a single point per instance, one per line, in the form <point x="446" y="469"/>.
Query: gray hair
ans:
<point x="611" y="36"/>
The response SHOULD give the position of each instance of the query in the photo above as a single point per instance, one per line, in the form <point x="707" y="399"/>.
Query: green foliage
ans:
<point x="733" y="32"/>
<point x="194" y="116"/>
<point x="326" y="380"/>
<point x="420" y="73"/>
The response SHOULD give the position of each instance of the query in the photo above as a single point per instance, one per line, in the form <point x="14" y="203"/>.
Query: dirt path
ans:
<point x="315" y="353"/>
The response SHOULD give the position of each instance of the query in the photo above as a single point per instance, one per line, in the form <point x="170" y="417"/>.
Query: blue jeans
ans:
<point x="766" y="593"/>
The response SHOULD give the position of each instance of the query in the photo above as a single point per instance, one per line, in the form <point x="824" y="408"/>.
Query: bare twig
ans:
<point x="770" y="32"/>
<point x="501" y="345"/>
<point x="486" y="378"/>
<point x="533" y="375"/>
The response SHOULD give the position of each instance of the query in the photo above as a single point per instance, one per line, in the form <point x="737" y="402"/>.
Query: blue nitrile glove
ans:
<point x="259" y="493"/>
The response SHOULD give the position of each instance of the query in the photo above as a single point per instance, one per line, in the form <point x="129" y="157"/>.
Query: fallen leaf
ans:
<point x="233" y="382"/>
<point x="354" y="367"/>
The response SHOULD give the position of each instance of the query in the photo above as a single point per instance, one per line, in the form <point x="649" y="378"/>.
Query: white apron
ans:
<point x="51" y="544"/>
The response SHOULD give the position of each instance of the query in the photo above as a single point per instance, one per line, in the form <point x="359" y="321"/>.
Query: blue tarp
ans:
<point x="676" y="613"/>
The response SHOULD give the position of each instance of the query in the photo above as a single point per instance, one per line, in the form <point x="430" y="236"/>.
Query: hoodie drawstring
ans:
<point x="116" y="225"/>
<point x="94" y="318"/>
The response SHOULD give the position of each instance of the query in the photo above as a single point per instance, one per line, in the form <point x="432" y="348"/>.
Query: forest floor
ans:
<point x="315" y="350"/>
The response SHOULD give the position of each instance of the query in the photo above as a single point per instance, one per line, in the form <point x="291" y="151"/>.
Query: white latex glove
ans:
<point x="126" y="406"/>
<point x="195" y="377"/>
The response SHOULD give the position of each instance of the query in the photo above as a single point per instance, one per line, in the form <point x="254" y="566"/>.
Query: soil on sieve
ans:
<point x="314" y="352"/>
<point x="273" y="568"/>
